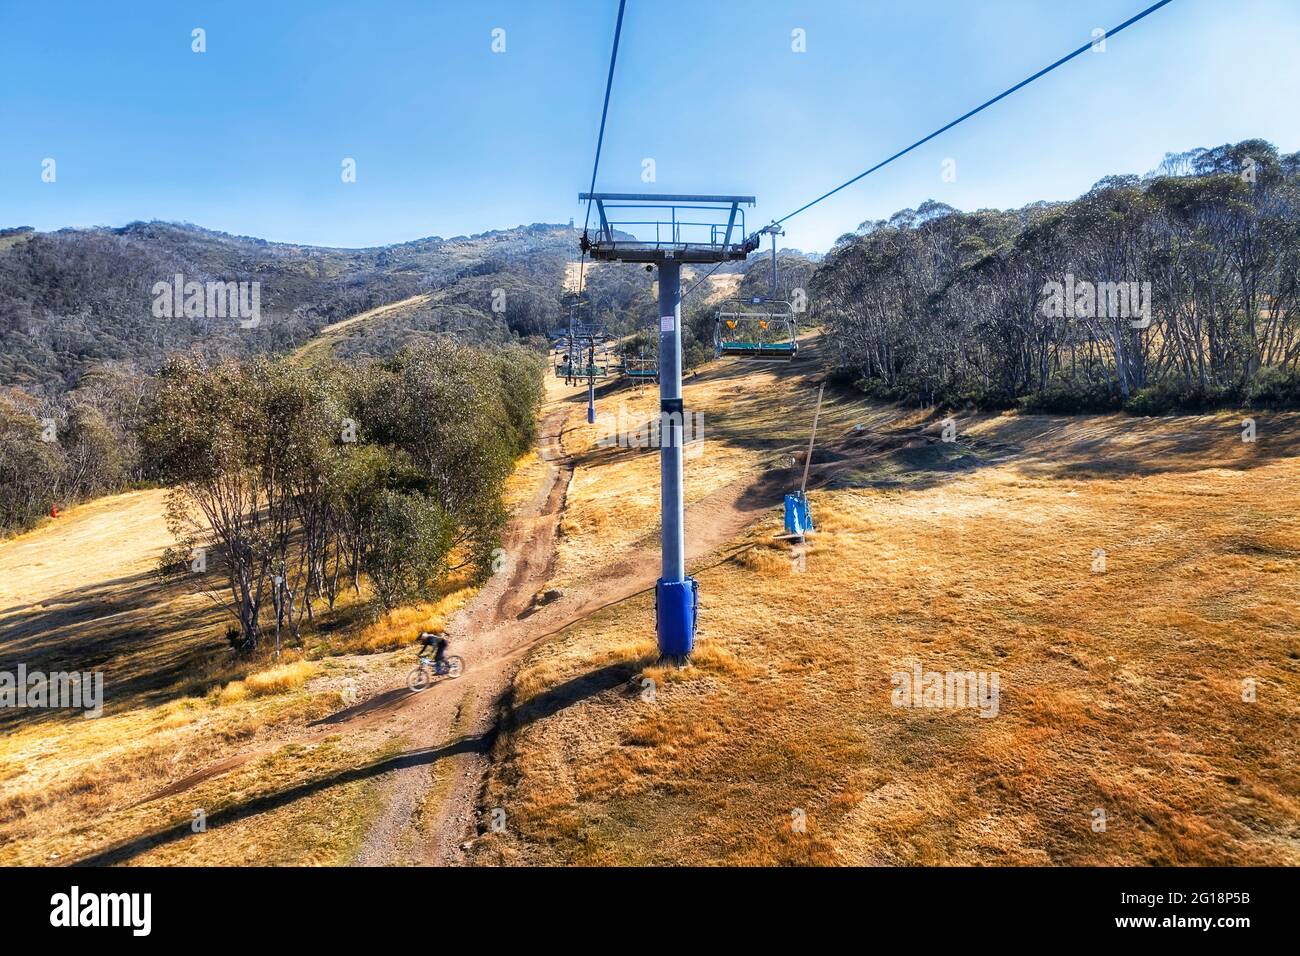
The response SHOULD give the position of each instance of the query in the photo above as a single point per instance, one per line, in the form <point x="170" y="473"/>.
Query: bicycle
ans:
<point x="425" y="673"/>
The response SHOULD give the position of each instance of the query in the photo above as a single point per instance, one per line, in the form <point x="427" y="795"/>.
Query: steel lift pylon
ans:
<point x="687" y="230"/>
<point x="584" y="357"/>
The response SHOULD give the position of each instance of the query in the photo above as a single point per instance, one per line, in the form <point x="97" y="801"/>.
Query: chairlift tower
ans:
<point x="773" y="230"/>
<point x="584" y="357"/>
<point x="694" y="230"/>
<point x="739" y="326"/>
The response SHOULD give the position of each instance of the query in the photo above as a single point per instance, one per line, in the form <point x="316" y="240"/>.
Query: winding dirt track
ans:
<point x="458" y="718"/>
<point x="447" y="731"/>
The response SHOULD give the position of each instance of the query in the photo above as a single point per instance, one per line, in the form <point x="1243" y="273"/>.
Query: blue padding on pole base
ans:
<point x="798" y="519"/>
<point x="676" y="605"/>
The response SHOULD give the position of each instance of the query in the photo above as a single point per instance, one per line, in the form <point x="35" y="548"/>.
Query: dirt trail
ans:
<point x="375" y="313"/>
<point x="529" y="543"/>
<point x="434" y="718"/>
<point x="496" y="631"/>
<point x="446" y="732"/>
<point x="324" y="339"/>
<point x="453" y="722"/>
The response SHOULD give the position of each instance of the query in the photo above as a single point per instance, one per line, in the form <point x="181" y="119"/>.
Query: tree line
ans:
<point x="936" y="306"/>
<point x="290" y="484"/>
<point x="287" y="483"/>
<point x="69" y="447"/>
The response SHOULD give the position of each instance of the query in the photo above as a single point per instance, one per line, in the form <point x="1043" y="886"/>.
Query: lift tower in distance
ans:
<point x="667" y="231"/>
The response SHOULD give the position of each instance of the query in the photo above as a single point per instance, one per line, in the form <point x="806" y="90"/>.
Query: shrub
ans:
<point x="407" y="553"/>
<point x="1072" y="398"/>
<point x="1167" y="398"/>
<point x="1274" y="388"/>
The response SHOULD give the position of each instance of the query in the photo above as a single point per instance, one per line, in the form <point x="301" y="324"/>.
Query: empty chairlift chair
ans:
<point x="638" y="373"/>
<point x="762" y="330"/>
<point x="641" y="369"/>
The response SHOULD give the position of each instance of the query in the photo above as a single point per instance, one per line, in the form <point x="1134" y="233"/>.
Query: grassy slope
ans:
<point x="79" y="592"/>
<point x="322" y="344"/>
<point x="176" y="702"/>
<point x="1119" y="690"/>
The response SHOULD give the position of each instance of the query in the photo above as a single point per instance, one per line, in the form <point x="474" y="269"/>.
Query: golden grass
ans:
<point x="176" y="698"/>
<point x="58" y="775"/>
<point x="768" y="560"/>
<point x="275" y="680"/>
<point x="750" y="422"/>
<point x="324" y="824"/>
<point x="1120" y="690"/>
<point x="63" y="780"/>
<point x="301" y="806"/>
<point x="402" y="626"/>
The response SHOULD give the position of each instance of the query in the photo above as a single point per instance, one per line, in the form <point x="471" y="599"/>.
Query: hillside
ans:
<point x="1120" y="689"/>
<point x="983" y="508"/>
<point x="1121" y="683"/>
<point x="79" y="297"/>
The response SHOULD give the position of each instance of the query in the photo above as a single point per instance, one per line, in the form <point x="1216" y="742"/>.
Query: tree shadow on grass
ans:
<point x="572" y="691"/>
<point x="537" y="708"/>
<point x="427" y="756"/>
<point x="1119" y="447"/>
<point x="388" y="700"/>
<point x="138" y="632"/>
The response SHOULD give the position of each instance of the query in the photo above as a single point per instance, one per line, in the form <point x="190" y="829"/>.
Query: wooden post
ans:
<point x="807" y="462"/>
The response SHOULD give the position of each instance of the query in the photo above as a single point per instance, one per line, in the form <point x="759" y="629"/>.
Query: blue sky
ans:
<point x="450" y="138"/>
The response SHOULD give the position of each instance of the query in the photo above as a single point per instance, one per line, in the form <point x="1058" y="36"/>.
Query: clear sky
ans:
<point x="451" y="138"/>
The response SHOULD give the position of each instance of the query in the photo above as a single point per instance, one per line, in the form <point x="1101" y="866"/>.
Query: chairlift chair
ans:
<point x="756" y="330"/>
<point x="641" y="369"/>
<point x="583" y="353"/>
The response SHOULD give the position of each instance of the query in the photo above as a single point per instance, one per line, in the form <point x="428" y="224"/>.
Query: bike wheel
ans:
<point x="419" y="678"/>
<point x="454" y="666"/>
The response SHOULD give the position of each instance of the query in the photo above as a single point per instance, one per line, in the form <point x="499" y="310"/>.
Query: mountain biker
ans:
<point x="439" y="644"/>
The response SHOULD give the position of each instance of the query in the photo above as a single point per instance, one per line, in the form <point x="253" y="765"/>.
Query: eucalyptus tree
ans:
<point x="1177" y="288"/>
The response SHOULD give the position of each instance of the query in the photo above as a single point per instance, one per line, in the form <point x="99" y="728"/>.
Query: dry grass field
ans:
<point x="1121" y="683"/>
<point x="79" y="593"/>
<point x="1125" y="578"/>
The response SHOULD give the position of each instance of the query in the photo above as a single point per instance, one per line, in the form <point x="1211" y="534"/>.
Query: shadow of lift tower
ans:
<point x="694" y="230"/>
